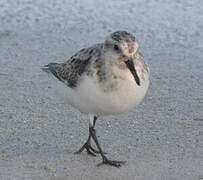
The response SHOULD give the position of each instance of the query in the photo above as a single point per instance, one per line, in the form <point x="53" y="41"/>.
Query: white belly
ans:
<point x="90" y="98"/>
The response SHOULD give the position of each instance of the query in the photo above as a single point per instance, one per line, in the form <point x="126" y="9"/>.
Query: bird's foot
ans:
<point x="111" y="163"/>
<point x="90" y="150"/>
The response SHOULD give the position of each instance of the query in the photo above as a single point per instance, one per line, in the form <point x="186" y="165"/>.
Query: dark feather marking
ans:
<point x="100" y="72"/>
<point x="122" y="35"/>
<point x="70" y="71"/>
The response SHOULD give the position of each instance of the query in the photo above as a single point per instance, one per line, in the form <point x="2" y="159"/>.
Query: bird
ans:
<point x="107" y="78"/>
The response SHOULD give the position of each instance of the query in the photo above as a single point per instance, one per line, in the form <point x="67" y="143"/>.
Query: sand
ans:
<point x="161" y="139"/>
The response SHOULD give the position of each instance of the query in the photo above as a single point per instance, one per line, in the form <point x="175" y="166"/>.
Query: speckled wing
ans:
<point x="71" y="71"/>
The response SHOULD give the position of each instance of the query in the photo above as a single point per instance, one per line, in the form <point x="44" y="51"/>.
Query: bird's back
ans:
<point x="70" y="71"/>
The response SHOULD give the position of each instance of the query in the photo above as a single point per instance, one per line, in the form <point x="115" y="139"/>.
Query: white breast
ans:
<point x="89" y="97"/>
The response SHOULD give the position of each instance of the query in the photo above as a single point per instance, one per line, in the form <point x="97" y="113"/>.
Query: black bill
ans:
<point x="130" y="64"/>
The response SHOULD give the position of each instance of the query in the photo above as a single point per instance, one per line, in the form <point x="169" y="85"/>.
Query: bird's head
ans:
<point x="121" y="47"/>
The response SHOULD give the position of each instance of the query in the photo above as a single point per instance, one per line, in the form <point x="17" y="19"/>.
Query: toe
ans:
<point x="90" y="153"/>
<point x="111" y="163"/>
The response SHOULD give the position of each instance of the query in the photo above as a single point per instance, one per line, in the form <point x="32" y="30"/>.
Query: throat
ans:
<point x="120" y="72"/>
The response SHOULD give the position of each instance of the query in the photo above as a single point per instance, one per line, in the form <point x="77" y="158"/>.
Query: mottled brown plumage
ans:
<point x="70" y="72"/>
<point x="122" y="36"/>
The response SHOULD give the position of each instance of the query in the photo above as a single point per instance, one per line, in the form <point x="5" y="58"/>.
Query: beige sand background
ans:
<point x="162" y="139"/>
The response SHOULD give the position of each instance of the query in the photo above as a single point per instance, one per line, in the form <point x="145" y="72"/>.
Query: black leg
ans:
<point x="105" y="160"/>
<point x="87" y="145"/>
<point x="94" y="121"/>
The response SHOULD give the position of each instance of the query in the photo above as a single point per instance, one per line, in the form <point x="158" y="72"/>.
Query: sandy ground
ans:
<point x="162" y="139"/>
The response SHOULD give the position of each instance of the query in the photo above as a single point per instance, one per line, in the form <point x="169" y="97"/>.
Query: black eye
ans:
<point x="116" y="47"/>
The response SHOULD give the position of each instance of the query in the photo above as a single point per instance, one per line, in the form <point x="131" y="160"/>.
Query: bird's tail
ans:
<point x="49" y="67"/>
<point x="52" y="68"/>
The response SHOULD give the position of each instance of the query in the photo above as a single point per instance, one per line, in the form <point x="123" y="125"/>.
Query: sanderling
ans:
<point x="104" y="79"/>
